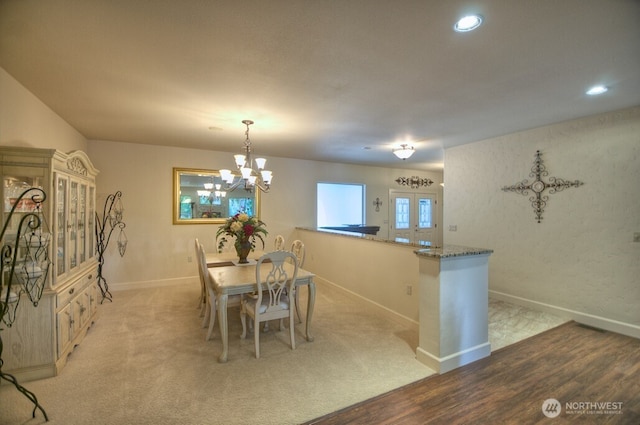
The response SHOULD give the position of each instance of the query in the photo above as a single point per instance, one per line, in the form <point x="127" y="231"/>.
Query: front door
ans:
<point x="413" y="217"/>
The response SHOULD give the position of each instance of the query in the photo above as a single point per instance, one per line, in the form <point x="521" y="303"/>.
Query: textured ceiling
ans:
<point x="340" y="81"/>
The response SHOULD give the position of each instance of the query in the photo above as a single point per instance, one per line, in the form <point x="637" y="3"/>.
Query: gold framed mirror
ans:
<point x="199" y="198"/>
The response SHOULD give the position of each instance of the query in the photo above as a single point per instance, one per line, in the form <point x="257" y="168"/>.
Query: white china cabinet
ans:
<point x="41" y="338"/>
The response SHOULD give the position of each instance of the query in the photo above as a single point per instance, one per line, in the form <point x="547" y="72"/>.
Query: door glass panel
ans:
<point x="424" y="213"/>
<point x="61" y="231"/>
<point x="403" y="213"/>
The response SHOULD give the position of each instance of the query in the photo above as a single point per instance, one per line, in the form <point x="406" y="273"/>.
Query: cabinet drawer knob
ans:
<point x="90" y="276"/>
<point x="72" y="290"/>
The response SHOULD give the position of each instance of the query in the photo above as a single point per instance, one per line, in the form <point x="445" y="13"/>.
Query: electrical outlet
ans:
<point x="409" y="289"/>
<point x="453" y="227"/>
<point x="636" y="237"/>
<point x="189" y="259"/>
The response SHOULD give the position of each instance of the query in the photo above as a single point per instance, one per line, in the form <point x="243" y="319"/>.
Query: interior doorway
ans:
<point x="413" y="217"/>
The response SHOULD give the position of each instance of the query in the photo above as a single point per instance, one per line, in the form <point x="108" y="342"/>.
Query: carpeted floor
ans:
<point x="145" y="361"/>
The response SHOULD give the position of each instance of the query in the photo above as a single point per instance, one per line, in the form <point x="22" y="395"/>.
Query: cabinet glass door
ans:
<point x="91" y="220"/>
<point x="14" y="183"/>
<point x="73" y="221"/>
<point x="82" y="223"/>
<point x="61" y="225"/>
<point x="13" y="187"/>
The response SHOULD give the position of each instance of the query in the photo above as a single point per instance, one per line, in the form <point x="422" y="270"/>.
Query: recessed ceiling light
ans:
<point x="468" y="23"/>
<point x="596" y="90"/>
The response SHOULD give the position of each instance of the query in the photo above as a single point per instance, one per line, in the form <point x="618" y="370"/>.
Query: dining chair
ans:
<point x="297" y="249"/>
<point x="211" y="299"/>
<point x="271" y="301"/>
<point x="202" y="302"/>
<point x="278" y="244"/>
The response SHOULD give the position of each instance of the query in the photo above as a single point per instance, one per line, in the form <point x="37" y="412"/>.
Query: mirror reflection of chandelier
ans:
<point x="250" y="178"/>
<point x="214" y="196"/>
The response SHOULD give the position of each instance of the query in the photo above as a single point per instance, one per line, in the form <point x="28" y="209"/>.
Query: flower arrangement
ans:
<point x="244" y="228"/>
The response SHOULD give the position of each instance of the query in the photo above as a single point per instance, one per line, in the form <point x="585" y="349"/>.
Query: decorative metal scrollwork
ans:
<point x="111" y="216"/>
<point x="414" y="182"/>
<point x="25" y="258"/>
<point x="538" y="186"/>
<point x="377" y="204"/>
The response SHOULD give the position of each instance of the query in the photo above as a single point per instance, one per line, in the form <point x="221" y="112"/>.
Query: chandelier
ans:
<point x="250" y="178"/>
<point x="404" y="151"/>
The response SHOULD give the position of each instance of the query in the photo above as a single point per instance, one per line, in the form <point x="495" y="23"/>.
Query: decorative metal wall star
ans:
<point x="538" y="200"/>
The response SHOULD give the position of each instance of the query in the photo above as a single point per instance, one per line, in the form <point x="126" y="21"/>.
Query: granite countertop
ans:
<point x="361" y="236"/>
<point x="451" y="251"/>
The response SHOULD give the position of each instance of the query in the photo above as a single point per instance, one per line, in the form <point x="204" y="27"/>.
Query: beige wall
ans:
<point x="381" y="272"/>
<point x="26" y="121"/>
<point x="581" y="261"/>
<point x="159" y="250"/>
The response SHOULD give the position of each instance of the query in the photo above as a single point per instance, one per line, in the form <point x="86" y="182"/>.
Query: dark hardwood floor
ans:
<point x="573" y="364"/>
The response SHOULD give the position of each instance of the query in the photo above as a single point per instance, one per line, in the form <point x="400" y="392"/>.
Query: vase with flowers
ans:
<point x="245" y="230"/>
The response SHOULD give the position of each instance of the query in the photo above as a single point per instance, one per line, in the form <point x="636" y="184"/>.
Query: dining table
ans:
<point x="229" y="277"/>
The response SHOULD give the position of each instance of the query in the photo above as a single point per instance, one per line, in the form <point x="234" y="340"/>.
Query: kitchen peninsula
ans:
<point x="441" y="292"/>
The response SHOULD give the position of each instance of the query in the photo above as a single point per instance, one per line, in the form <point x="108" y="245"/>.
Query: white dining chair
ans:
<point x="202" y="302"/>
<point x="271" y="300"/>
<point x="278" y="244"/>
<point x="211" y="298"/>
<point x="297" y="249"/>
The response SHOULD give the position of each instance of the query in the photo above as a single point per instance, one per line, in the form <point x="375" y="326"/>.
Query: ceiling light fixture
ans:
<point x="596" y="90"/>
<point x="250" y="178"/>
<point x="468" y="23"/>
<point x="404" y="151"/>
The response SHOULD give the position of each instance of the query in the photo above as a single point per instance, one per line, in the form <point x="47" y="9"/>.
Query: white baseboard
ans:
<point x="390" y="314"/>
<point x="580" y="317"/>
<point x="123" y="286"/>
<point x="455" y="360"/>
